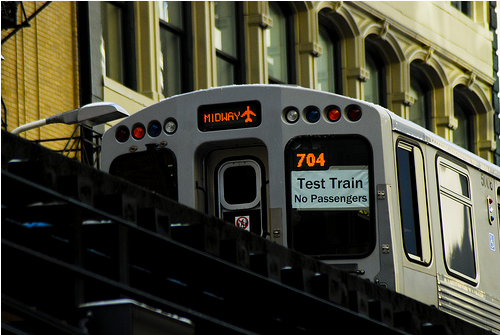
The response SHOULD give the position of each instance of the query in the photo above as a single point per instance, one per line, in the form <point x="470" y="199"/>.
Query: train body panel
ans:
<point x="342" y="180"/>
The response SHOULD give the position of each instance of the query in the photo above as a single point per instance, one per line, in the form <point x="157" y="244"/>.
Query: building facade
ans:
<point x="40" y="67"/>
<point x="433" y="63"/>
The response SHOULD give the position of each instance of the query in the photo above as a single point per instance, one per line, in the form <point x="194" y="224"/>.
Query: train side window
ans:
<point x="413" y="203"/>
<point x="456" y="219"/>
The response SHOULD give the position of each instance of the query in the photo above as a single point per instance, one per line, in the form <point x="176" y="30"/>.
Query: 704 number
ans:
<point x="310" y="159"/>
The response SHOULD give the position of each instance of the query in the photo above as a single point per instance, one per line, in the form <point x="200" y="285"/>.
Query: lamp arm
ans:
<point x="28" y="126"/>
<point x="69" y="117"/>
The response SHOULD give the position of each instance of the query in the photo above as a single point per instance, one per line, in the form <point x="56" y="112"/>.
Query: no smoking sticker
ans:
<point x="242" y="222"/>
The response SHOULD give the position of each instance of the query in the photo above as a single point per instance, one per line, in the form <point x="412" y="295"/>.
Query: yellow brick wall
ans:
<point x="40" y="70"/>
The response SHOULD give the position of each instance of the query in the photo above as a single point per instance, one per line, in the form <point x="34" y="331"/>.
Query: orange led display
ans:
<point x="235" y="115"/>
<point x="311" y="159"/>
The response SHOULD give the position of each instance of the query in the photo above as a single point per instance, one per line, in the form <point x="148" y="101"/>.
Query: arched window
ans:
<point x="464" y="113"/>
<point x="420" y="89"/>
<point x="279" y="39"/>
<point x="328" y="64"/>
<point x="375" y="88"/>
<point x="227" y="42"/>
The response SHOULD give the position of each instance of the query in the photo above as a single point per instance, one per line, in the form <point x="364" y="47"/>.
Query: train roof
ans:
<point x="415" y="131"/>
<point x="399" y="124"/>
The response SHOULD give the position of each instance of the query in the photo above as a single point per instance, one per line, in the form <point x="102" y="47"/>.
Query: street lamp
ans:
<point x="91" y="115"/>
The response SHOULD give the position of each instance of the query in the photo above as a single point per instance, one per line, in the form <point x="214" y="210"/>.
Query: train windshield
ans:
<point x="329" y="203"/>
<point x="154" y="169"/>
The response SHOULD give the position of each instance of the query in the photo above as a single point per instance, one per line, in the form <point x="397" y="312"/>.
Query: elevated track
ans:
<point x="86" y="253"/>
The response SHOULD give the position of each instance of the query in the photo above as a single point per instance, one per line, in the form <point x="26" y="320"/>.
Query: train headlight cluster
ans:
<point x="139" y="131"/>
<point x="331" y="113"/>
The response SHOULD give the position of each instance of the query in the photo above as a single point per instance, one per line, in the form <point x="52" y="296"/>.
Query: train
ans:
<point x="341" y="180"/>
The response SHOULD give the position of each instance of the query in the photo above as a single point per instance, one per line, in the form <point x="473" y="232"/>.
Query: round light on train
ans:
<point x="292" y="115"/>
<point x="354" y="113"/>
<point x="170" y="126"/>
<point x="138" y="131"/>
<point x="313" y="114"/>
<point x="154" y="128"/>
<point x="333" y="114"/>
<point x="122" y="134"/>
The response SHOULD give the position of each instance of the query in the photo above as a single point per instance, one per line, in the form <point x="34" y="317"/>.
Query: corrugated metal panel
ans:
<point x="468" y="303"/>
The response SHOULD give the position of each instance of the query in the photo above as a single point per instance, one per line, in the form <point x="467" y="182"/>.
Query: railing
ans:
<point x="86" y="147"/>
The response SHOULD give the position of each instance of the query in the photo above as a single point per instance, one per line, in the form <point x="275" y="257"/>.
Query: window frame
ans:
<point x="467" y="202"/>
<point x="372" y="51"/>
<point x="128" y="42"/>
<point x="461" y="101"/>
<point x="292" y="226"/>
<point x="418" y="77"/>
<point x="290" y="45"/>
<point x="419" y="204"/>
<point x="328" y="28"/>
<point x="465" y="7"/>
<point x="184" y="34"/>
<point x="236" y="61"/>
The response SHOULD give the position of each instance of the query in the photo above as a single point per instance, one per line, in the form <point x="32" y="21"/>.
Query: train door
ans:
<point x="417" y="278"/>
<point x="237" y="187"/>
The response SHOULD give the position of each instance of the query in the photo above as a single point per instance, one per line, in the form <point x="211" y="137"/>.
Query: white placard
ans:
<point x="339" y="188"/>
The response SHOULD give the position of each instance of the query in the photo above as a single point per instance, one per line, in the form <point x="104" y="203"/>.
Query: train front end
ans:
<point x="304" y="168"/>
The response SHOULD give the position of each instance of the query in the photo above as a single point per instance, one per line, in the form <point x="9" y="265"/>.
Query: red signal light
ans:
<point x="122" y="134"/>
<point x="333" y="114"/>
<point x="138" y="131"/>
<point x="354" y="113"/>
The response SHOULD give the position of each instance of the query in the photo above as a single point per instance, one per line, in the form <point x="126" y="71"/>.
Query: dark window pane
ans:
<point x="171" y="71"/>
<point x="240" y="185"/>
<point x="225" y="27"/>
<point x="409" y="202"/>
<point x="155" y="169"/>
<point x="112" y="32"/>
<point x="225" y="72"/>
<point x="277" y="47"/>
<point x="171" y="12"/>
<point x="456" y="221"/>
<point x="457" y="235"/>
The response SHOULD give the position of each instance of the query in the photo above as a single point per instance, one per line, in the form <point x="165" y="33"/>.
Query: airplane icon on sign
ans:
<point x="248" y="113"/>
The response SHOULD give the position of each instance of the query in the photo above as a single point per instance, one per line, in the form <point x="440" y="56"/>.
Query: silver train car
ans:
<point x="342" y="180"/>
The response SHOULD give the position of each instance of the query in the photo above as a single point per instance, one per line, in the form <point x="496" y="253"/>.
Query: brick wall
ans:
<point x="40" y="70"/>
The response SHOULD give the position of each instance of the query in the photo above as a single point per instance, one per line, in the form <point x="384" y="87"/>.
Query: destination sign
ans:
<point x="340" y="188"/>
<point x="245" y="114"/>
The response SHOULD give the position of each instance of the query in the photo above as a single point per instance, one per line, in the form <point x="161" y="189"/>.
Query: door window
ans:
<point x="413" y="203"/>
<point x="456" y="219"/>
<point x="240" y="197"/>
